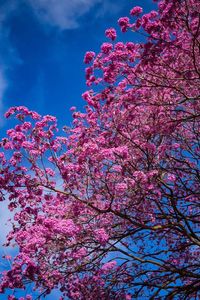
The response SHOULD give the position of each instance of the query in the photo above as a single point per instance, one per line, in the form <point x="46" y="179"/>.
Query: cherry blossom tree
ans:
<point x="109" y="209"/>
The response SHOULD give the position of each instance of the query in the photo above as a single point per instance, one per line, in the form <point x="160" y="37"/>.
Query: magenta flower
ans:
<point x="136" y="11"/>
<point x="111" y="33"/>
<point x="89" y="56"/>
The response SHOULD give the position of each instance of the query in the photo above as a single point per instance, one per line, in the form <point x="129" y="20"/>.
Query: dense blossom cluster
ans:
<point x="111" y="209"/>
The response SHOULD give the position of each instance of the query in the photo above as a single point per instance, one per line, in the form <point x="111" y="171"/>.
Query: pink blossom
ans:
<point x="136" y="11"/>
<point x="106" y="48"/>
<point x="130" y="46"/>
<point x="111" y="33"/>
<point x="121" y="188"/>
<point x="117" y="168"/>
<point x="124" y="23"/>
<point x="171" y="177"/>
<point x="73" y="108"/>
<point x="89" y="56"/>
<point x="101" y="236"/>
<point x="119" y="46"/>
<point x="49" y="171"/>
<point x="109" y="266"/>
<point x="87" y="95"/>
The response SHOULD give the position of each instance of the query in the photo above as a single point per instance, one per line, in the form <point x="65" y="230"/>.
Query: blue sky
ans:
<point x="42" y="46"/>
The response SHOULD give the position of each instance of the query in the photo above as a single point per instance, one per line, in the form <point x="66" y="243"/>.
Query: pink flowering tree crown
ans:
<point x="109" y="209"/>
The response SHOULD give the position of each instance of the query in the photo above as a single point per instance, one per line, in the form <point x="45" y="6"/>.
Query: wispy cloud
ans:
<point x="110" y="7"/>
<point x="63" y="13"/>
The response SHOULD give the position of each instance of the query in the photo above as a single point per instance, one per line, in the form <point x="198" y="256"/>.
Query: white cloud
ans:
<point x="65" y="13"/>
<point x="110" y="7"/>
<point x="62" y="13"/>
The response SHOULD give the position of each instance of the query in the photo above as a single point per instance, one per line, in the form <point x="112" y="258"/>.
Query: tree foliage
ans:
<point x="110" y="209"/>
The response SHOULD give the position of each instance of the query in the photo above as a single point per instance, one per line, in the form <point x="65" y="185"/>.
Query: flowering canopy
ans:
<point x="110" y="210"/>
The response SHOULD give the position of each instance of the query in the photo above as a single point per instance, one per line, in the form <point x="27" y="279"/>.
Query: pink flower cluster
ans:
<point x="89" y="56"/>
<point x="124" y="23"/>
<point x="136" y="11"/>
<point x="111" y="33"/>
